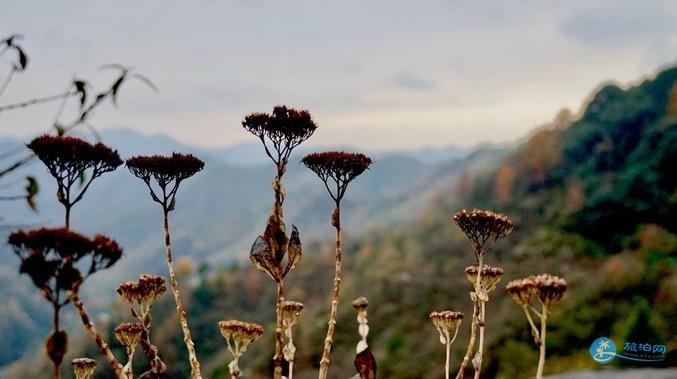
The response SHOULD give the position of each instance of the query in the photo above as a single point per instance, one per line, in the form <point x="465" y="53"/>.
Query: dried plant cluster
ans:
<point x="70" y="161"/>
<point x="545" y="289"/>
<point x="280" y="132"/>
<point x="59" y="260"/>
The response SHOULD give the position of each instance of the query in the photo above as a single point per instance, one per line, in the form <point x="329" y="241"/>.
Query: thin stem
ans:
<point x="446" y="365"/>
<point x="41" y="100"/>
<point x="57" y="365"/>
<point x="324" y="362"/>
<point x="471" y="343"/>
<point x="277" y="358"/>
<point x="103" y="346"/>
<point x="128" y="367"/>
<point x="534" y="331"/>
<point x="190" y="346"/>
<point x="68" y="217"/>
<point x="8" y="79"/>
<point x="480" y="348"/>
<point x="541" y="359"/>
<point x="291" y="370"/>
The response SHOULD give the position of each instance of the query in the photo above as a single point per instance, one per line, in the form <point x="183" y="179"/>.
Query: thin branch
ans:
<point x="41" y="100"/>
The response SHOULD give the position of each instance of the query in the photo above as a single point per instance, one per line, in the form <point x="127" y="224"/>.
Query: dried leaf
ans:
<point x="365" y="364"/>
<point x="294" y="250"/>
<point x="261" y="257"/>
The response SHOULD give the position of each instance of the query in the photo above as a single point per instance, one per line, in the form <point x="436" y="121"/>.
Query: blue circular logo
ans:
<point x="603" y="350"/>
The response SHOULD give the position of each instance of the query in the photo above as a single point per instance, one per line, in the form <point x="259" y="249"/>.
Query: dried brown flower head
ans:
<point x="83" y="367"/>
<point x="167" y="171"/>
<point x="489" y="277"/>
<point x="290" y="312"/>
<point x="521" y="290"/>
<point x="71" y="154"/>
<point x="129" y="334"/>
<point x="446" y="322"/>
<point x="143" y="292"/>
<point x="339" y="166"/>
<point x="48" y="254"/>
<point x="281" y="131"/>
<point x="241" y="331"/>
<point x="482" y="226"/>
<point x="360" y="303"/>
<point x="69" y="159"/>
<point x="549" y="288"/>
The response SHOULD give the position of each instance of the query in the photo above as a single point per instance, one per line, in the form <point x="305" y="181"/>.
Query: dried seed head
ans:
<point x="339" y="166"/>
<point x="481" y="226"/>
<point x="489" y="277"/>
<point x="165" y="169"/>
<point x="281" y="131"/>
<point x="71" y="156"/>
<point x="144" y="292"/>
<point x="52" y="253"/>
<point x="360" y="303"/>
<point x="521" y="290"/>
<point x="549" y="288"/>
<point x="446" y="322"/>
<point x="129" y="334"/>
<point x="83" y="367"/>
<point x="240" y="331"/>
<point x="291" y="309"/>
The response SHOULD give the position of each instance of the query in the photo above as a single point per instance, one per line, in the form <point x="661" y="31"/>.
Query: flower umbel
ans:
<point x="238" y="335"/>
<point x="83" y="367"/>
<point x="446" y="322"/>
<point x="129" y="334"/>
<point x="482" y="226"/>
<point x="489" y="277"/>
<point x="336" y="169"/>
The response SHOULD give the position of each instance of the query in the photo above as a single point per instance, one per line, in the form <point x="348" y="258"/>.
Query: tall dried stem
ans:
<point x="183" y="319"/>
<point x="103" y="346"/>
<point x="331" y="325"/>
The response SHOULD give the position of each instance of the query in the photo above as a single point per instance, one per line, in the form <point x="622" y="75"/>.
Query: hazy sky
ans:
<point x="375" y="74"/>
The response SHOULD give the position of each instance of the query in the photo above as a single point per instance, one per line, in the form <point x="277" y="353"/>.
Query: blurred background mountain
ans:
<point x="592" y="195"/>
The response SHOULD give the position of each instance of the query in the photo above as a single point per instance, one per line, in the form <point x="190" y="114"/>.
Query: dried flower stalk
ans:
<point x="280" y="132"/>
<point x="71" y="161"/>
<point x="141" y="295"/>
<point x="129" y="336"/>
<point x="238" y="335"/>
<point x="447" y="322"/>
<point x="163" y="175"/>
<point x="290" y="312"/>
<point x="483" y="229"/>
<point x="53" y="259"/>
<point x="336" y="169"/>
<point x="365" y="363"/>
<point x="548" y="290"/>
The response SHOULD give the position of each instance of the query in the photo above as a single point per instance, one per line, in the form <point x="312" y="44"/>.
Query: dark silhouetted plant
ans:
<point x="238" y="335"/>
<point x="163" y="175"/>
<point x="141" y="295"/>
<point x="53" y="259"/>
<point x="548" y="290"/>
<point x="72" y="161"/>
<point x="365" y="363"/>
<point x="336" y="169"/>
<point x="483" y="229"/>
<point x="274" y="253"/>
